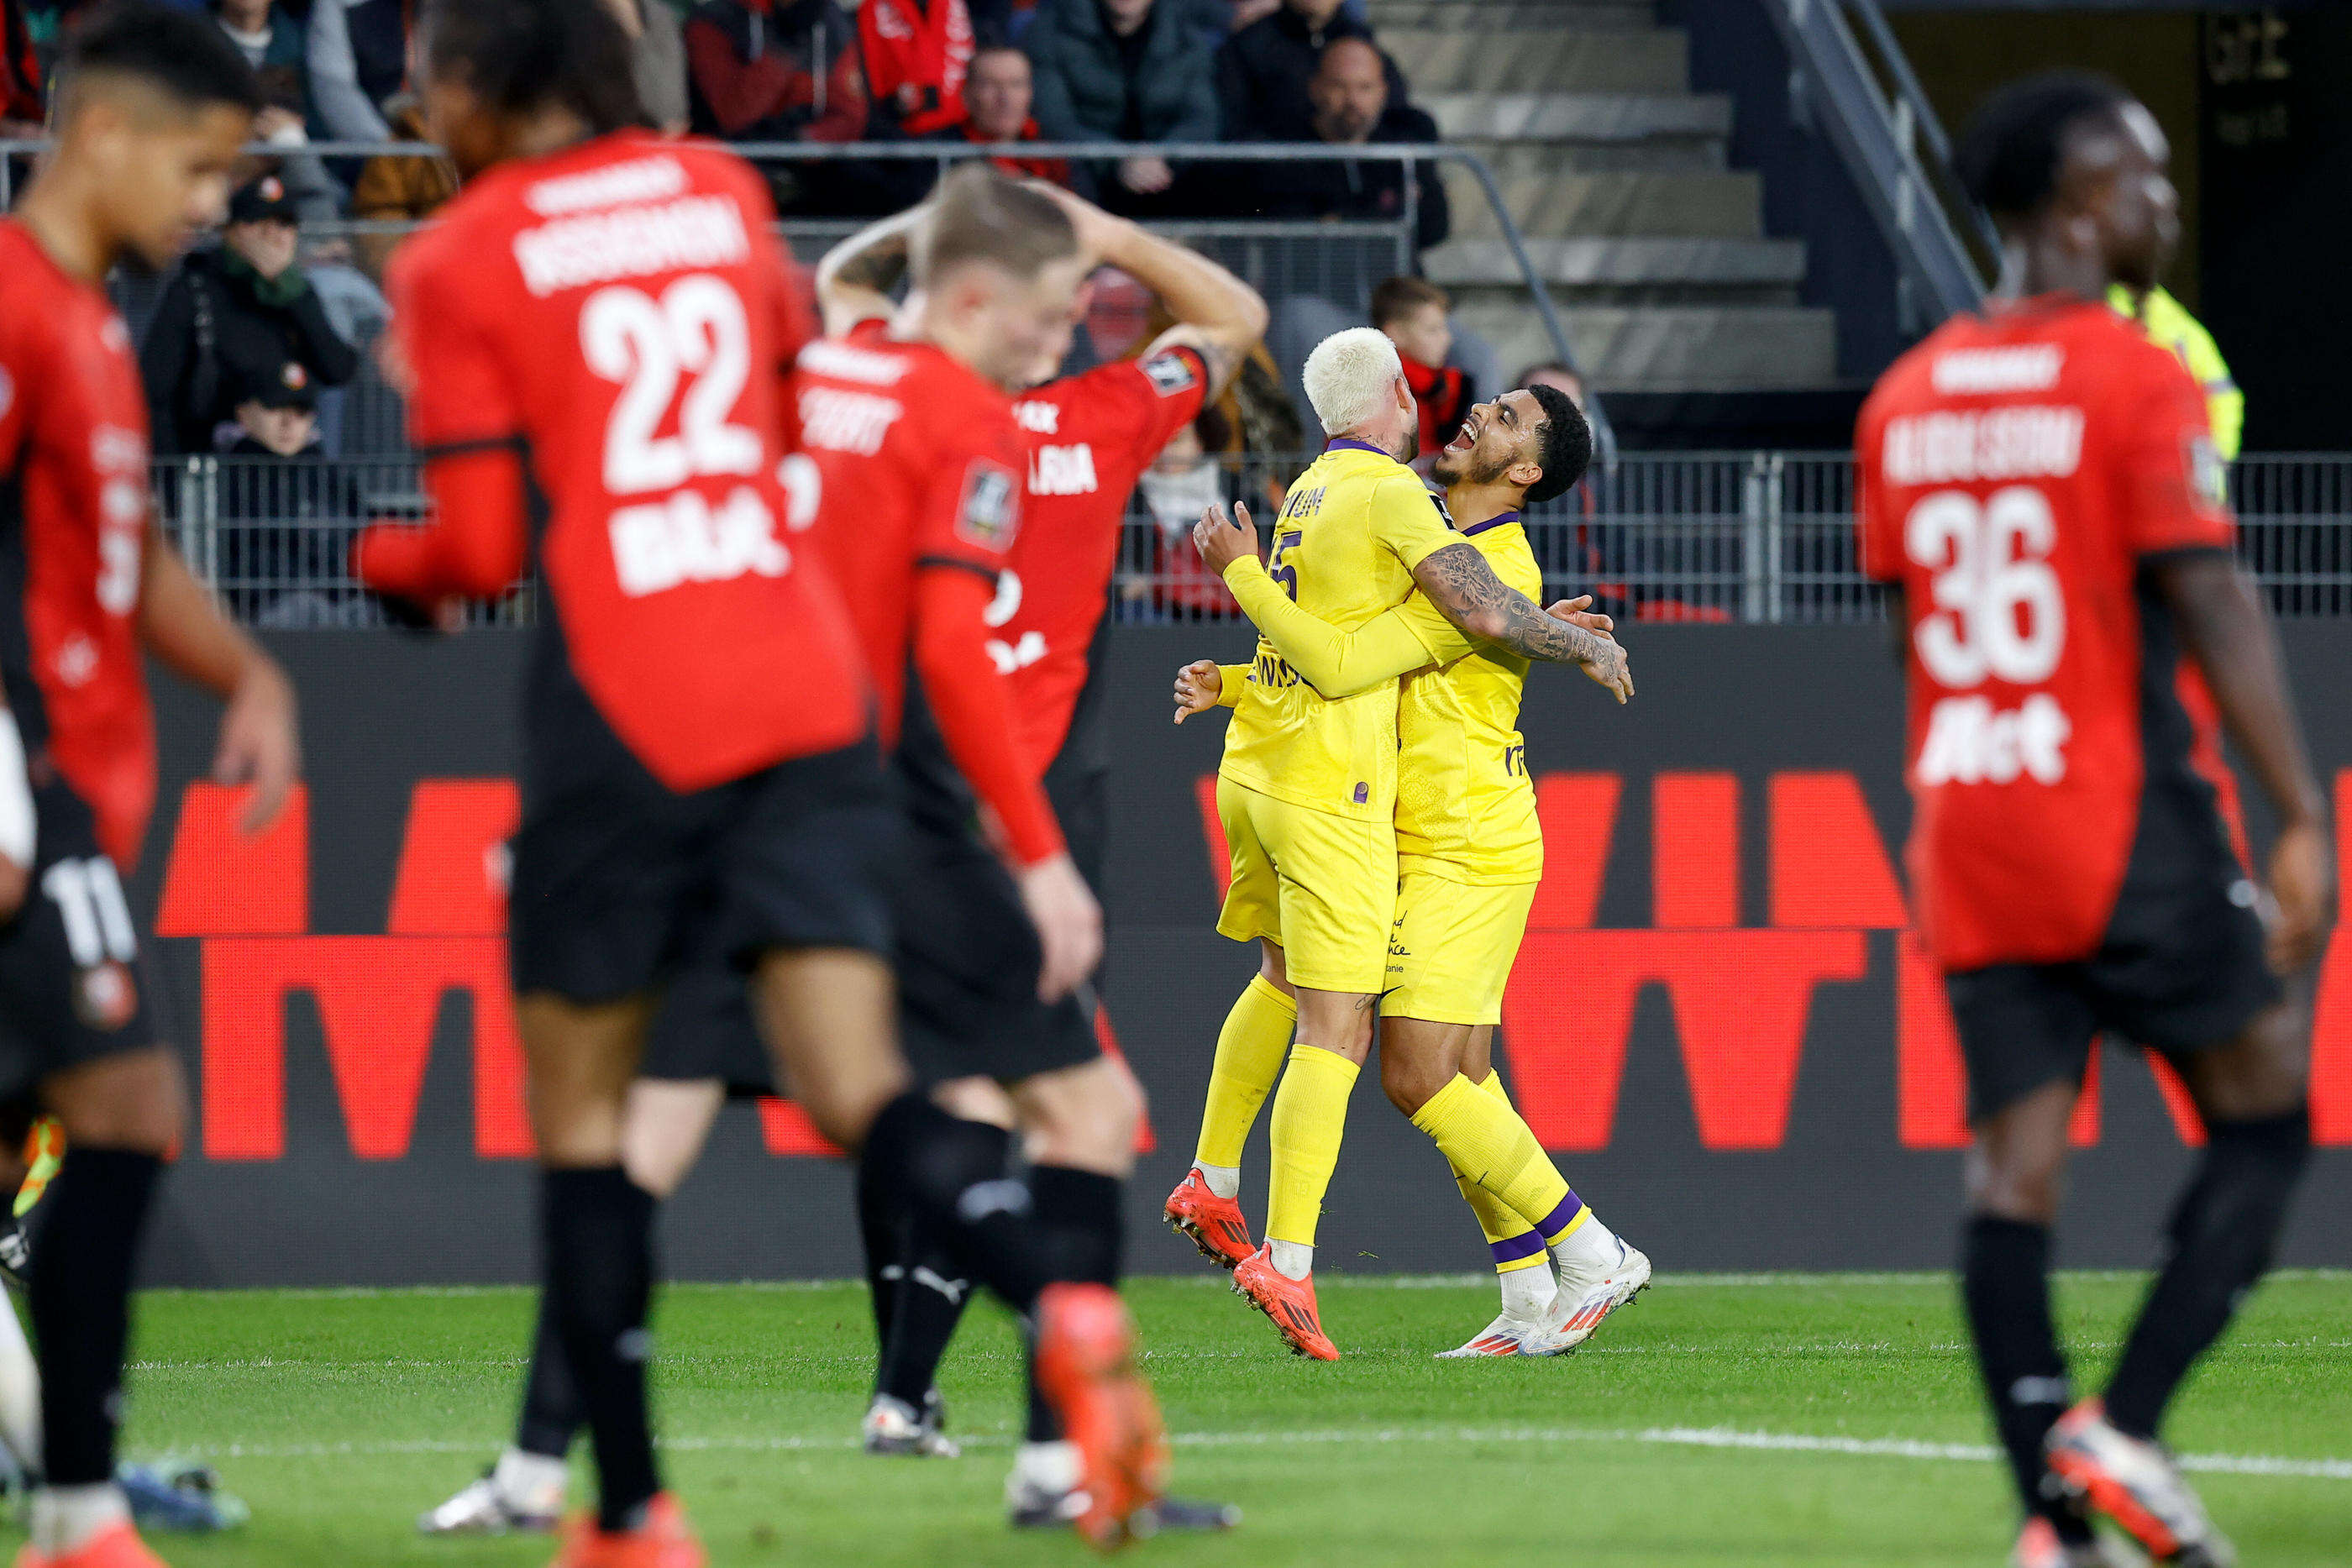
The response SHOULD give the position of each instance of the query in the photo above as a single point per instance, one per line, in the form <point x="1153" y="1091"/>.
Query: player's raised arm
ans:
<point x="854" y="278"/>
<point x="1218" y="316"/>
<point x="2225" y="629"/>
<point x="183" y="627"/>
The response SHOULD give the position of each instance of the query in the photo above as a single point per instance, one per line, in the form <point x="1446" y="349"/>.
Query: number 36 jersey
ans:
<point x="2016" y="472"/>
<point x="621" y="311"/>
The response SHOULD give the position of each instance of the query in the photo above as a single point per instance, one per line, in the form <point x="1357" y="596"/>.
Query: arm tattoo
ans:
<point x="1465" y="589"/>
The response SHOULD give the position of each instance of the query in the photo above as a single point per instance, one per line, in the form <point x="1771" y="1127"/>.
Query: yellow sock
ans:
<point x="1485" y="1139"/>
<point x="1311" y="1114"/>
<point x="1570" y="1213"/>
<point x="1249" y="1058"/>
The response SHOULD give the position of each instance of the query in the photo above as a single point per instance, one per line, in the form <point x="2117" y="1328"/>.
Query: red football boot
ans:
<point x="1215" y="1224"/>
<point x="116" y="1546"/>
<point x="1289" y="1302"/>
<point x="664" y="1541"/>
<point x="1086" y="1365"/>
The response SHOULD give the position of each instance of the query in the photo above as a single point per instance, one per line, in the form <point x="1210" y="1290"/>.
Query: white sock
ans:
<point x="1225" y="1181"/>
<point x="65" y="1518"/>
<point x="1049" y="1468"/>
<point x="1291" y="1259"/>
<point x="1526" y="1292"/>
<point x="530" y="1483"/>
<point x="1590" y="1247"/>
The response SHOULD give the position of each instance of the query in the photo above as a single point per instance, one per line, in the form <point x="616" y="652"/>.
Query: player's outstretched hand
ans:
<point x="1222" y="540"/>
<point x="2303" y="896"/>
<point x="258" y="744"/>
<point x="1578" y="612"/>
<point x="1608" y="667"/>
<point x="1199" y="685"/>
<point x="1068" y="922"/>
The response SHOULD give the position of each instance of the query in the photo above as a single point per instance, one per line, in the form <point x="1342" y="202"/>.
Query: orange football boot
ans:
<point x="1086" y="1367"/>
<point x="116" y="1546"/>
<point x="1289" y="1302"/>
<point x="664" y="1541"/>
<point x="1215" y="1224"/>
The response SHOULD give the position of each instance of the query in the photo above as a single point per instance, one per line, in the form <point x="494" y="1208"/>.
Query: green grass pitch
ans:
<point x="341" y="1414"/>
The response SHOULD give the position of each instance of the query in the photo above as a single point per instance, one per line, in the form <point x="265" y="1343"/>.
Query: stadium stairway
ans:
<point x="1616" y="173"/>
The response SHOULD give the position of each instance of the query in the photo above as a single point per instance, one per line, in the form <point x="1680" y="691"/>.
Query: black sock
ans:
<point x="551" y="1395"/>
<point x="931" y="1291"/>
<point x="599" y="1251"/>
<point x="951" y="1172"/>
<point x="80" y="1298"/>
<point x="2005" y="1282"/>
<point x="1079" y="1211"/>
<point x="2222" y="1232"/>
<point x="883" y="1224"/>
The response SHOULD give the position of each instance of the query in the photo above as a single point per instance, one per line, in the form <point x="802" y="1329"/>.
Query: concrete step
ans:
<point x="1484" y="59"/>
<point x="1654" y="155"/>
<point x="1614" y="266"/>
<point x="1541" y="16"/>
<point x="1576" y="116"/>
<point x="1726" y="205"/>
<point x="1669" y="348"/>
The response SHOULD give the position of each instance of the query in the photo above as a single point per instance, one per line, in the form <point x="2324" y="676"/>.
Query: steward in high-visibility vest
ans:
<point x="2168" y="322"/>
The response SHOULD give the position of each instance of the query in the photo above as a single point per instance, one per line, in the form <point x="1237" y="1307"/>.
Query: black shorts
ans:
<point x="2180" y="970"/>
<point x="621" y="885"/>
<point x="72" y="986"/>
<point x="704" y="1029"/>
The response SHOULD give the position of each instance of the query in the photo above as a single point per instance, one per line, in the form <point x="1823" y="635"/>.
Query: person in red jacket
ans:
<point x="916" y="53"/>
<point x="1412" y="311"/>
<point x="775" y="70"/>
<point x="153" y="107"/>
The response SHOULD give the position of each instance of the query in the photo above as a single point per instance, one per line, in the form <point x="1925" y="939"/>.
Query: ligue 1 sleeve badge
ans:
<point x="105" y="996"/>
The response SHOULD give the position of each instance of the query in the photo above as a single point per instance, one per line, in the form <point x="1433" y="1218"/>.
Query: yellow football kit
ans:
<point x="1469" y="850"/>
<point x="1307" y="792"/>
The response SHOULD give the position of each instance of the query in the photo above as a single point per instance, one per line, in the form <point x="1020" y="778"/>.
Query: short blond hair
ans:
<point x="1350" y="376"/>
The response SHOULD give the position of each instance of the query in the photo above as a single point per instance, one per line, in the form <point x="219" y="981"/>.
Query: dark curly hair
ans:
<point x="2008" y="157"/>
<point x="1565" y="447"/>
<point x="520" y="55"/>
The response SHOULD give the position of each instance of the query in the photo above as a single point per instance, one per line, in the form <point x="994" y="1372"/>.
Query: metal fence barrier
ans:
<point x="1736" y="537"/>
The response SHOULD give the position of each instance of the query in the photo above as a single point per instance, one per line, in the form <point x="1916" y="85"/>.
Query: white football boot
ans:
<point x="2135" y="1483"/>
<point x="1587" y="1294"/>
<point x="895" y="1427"/>
<point x="520" y="1493"/>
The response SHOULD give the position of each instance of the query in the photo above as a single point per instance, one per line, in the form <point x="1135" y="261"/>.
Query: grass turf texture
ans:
<point x="340" y="1415"/>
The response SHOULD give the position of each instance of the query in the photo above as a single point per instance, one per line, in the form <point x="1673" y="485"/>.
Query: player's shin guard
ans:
<point x="951" y="1172"/>
<point x="1079" y="1212"/>
<point x="1310" y="1118"/>
<point x="81" y="1300"/>
<point x="1249" y="1049"/>
<point x="598" y="1242"/>
<point x="2221" y="1234"/>
<point x="551" y="1395"/>
<point x="2005" y="1283"/>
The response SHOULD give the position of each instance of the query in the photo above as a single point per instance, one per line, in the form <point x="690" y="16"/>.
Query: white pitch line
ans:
<point x="1670" y="1437"/>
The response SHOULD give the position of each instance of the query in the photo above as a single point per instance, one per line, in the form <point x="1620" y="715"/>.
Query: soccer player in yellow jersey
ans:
<point x="1470" y="853"/>
<point x="1307" y="795"/>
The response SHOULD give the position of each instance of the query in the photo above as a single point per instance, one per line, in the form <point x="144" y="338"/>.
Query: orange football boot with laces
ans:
<point x="663" y="1541"/>
<point x="1289" y="1302"/>
<point x="1087" y="1368"/>
<point x="1215" y="1224"/>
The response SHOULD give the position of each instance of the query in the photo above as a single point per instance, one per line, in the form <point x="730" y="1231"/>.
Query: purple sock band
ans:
<point x="1512" y="1248"/>
<point x="1557" y="1220"/>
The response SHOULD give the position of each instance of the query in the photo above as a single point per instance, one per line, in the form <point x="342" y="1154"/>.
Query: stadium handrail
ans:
<point x="945" y="153"/>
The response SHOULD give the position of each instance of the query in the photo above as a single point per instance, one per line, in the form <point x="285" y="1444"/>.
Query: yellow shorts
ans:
<point x="1320" y="888"/>
<point x="1452" y="946"/>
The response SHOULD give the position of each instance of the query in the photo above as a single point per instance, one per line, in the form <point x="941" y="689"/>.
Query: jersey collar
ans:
<point x="1496" y="522"/>
<point x="1349" y="443"/>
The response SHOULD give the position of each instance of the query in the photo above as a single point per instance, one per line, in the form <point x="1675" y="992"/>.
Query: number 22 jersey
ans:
<point x="2016" y="471"/>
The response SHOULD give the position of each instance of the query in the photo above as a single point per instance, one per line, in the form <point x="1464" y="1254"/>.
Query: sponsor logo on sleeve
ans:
<point x="991" y="506"/>
<point x="2208" y="476"/>
<point x="1169" y="373"/>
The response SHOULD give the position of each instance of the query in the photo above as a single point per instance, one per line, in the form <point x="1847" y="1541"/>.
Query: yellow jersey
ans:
<point x="1351" y="530"/>
<point x="1466" y="809"/>
<point x="2168" y="321"/>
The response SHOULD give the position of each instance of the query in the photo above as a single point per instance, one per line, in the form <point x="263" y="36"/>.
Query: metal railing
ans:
<point x="1891" y="141"/>
<point x="1751" y="538"/>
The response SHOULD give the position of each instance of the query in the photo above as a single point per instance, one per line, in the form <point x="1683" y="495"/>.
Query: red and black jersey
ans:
<point x="2015" y="471"/>
<point x="73" y="540"/>
<point x="922" y="469"/>
<point x="622" y="312"/>
<point x="1090" y="438"/>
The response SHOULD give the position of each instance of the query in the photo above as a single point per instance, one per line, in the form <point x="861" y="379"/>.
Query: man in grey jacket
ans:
<point x="1124" y="70"/>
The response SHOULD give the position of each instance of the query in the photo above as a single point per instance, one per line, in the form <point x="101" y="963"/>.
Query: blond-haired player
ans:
<point x="1470" y="853"/>
<point x="1307" y="794"/>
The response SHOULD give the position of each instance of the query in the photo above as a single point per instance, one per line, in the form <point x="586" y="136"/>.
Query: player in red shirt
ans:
<point x="603" y="318"/>
<point x="2038" y="487"/>
<point x="1088" y="438"/>
<point x="152" y="108"/>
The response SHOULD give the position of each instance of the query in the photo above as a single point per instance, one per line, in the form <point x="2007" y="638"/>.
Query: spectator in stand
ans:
<point x="1412" y="312"/>
<point x="1264" y="70"/>
<point x="359" y="63"/>
<point x="233" y="316"/>
<point x="398" y="188"/>
<point x="1559" y="377"/>
<point x="1185" y="480"/>
<point x="657" y="59"/>
<point x="775" y="70"/>
<point x="272" y="42"/>
<point x="997" y="95"/>
<point x="288" y="518"/>
<point x="1353" y="105"/>
<point x="22" y="101"/>
<point x="1124" y="70"/>
<point x="916" y="54"/>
